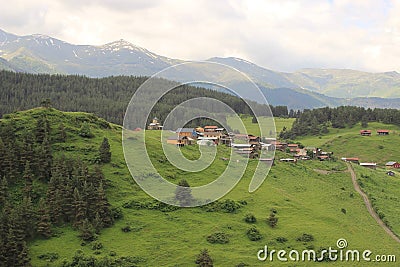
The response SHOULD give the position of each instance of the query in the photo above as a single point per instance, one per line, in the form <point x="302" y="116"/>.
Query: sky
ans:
<point x="283" y="35"/>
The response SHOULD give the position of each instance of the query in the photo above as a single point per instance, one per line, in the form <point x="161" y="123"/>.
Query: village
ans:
<point x="250" y="146"/>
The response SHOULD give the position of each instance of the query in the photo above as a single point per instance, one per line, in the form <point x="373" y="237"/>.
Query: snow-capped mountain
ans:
<point x="40" y="53"/>
<point x="309" y="88"/>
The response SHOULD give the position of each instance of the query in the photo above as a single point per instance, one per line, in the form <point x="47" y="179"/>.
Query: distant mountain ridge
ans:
<point x="309" y="88"/>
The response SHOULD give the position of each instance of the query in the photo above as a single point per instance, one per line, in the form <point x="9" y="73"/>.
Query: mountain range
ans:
<point x="307" y="88"/>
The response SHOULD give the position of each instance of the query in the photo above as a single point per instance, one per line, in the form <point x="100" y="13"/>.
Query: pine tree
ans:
<point x="46" y="103"/>
<point x="45" y="159"/>
<point x="3" y="191"/>
<point x="272" y="220"/>
<point x="62" y="133"/>
<point x="28" y="179"/>
<point x="80" y="208"/>
<point x="28" y="217"/>
<point x="103" y="207"/>
<point x="104" y="150"/>
<point x="183" y="193"/>
<point x="44" y="223"/>
<point x="87" y="231"/>
<point x="42" y="128"/>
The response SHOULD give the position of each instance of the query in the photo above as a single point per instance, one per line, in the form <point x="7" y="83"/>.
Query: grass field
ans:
<point x="305" y="201"/>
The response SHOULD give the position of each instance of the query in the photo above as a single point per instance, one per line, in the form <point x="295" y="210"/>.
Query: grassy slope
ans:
<point x="174" y="238"/>
<point x="252" y="128"/>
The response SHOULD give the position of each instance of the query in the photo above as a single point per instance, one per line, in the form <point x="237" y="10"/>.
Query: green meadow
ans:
<point x="305" y="201"/>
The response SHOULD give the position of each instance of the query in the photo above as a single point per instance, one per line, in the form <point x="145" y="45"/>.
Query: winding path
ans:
<point x="369" y="205"/>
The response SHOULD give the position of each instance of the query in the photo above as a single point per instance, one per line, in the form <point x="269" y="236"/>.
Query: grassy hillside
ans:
<point x="252" y="128"/>
<point x="164" y="236"/>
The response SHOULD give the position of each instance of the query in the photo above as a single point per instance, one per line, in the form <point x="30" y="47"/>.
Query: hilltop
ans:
<point x="292" y="192"/>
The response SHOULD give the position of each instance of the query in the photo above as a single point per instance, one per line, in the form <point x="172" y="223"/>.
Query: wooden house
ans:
<point x="393" y="164"/>
<point x="210" y="128"/>
<point x="293" y="147"/>
<point x="199" y="130"/>
<point x="216" y="135"/>
<point x="179" y="141"/>
<point x="155" y="125"/>
<point x="354" y="160"/>
<point x="369" y="165"/>
<point x="188" y="132"/>
<point x="383" y="132"/>
<point x="365" y="132"/>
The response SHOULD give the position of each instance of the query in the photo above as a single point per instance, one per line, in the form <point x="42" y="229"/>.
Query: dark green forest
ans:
<point x="106" y="97"/>
<point x="317" y="121"/>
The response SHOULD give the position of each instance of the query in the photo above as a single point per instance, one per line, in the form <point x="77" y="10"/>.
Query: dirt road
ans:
<point x="369" y="205"/>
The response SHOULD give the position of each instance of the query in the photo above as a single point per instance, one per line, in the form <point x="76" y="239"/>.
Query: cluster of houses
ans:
<point x="390" y="166"/>
<point x="249" y="145"/>
<point x="369" y="132"/>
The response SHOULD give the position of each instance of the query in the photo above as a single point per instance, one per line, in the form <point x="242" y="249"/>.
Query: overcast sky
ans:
<point x="282" y="35"/>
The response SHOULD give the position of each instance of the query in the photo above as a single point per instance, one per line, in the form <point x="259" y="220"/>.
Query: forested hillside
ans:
<point x="42" y="187"/>
<point x="317" y="121"/>
<point x="106" y="97"/>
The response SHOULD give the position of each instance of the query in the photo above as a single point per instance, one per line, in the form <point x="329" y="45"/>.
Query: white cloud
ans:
<point x="279" y="34"/>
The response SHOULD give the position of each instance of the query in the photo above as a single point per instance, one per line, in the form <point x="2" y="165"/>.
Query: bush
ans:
<point x="272" y="220"/>
<point x="305" y="238"/>
<point x="50" y="257"/>
<point x="227" y="205"/>
<point x="253" y="234"/>
<point x="281" y="239"/>
<point x="85" y="131"/>
<point x="218" y="238"/>
<point x="116" y="213"/>
<point x="204" y="259"/>
<point x="97" y="245"/>
<point x="112" y="253"/>
<point x="250" y="218"/>
<point x="126" y="229"/>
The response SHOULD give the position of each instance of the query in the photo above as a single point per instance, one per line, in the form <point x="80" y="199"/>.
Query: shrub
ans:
<point x="281" y="239"/>
<point x="204" y="259"/>
<point x="85" y="131"/>
<point x="253" y="234"/>
<point x="305" y="238"/>
<point x="112" y="253"/>
<point x="250" y="218"/>
<point x="218" y="238"/>
<point x="51" y="256"/>
<point x="116" y="213"/>
<point x="97" y="245"/>
<point x="126" y="229"/>
<point x="272" y="220"/>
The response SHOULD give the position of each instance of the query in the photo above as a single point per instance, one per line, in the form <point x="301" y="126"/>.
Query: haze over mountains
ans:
<point x="308" y="88"/>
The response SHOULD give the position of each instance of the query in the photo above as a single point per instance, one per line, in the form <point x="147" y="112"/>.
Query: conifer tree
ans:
<point x="28" y="217"/>
<point x="3" y="191"/>
<point x="87" y="231"/>
<point x="80" y="208"/>
<point x="104" y="150"/>
<point x="44" y="223"/>
<point x="28" y="179"/>
<point x="62" y="133"/>
<point x="103" y="207"/>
